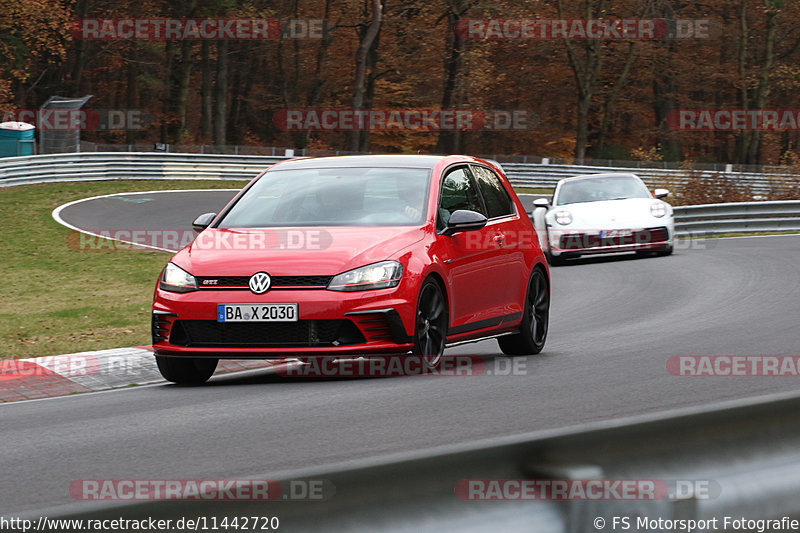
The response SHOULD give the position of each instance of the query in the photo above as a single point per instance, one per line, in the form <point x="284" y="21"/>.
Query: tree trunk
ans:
<point x="235" y="108"/>
<point x="762" y="88"/>
<point x="179" y="91"/>
<point x="317" y="81"/>
<point x="221" y="94"/>
<point x="585" y="70"/>
<point x="132" y="92"/>
<point x="165" y="109"/>
<point x="359" y="85"/>
<point x="743" y="139"/>
<point x="449" y="141"/>
<point x="206" y="110"/>
<point x="81" y="9"/>
<point x="372" y="78"/>
<point x="611" y="100"/>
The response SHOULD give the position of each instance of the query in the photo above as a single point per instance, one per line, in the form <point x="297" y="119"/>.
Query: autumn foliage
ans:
<point x="588" y="98"/>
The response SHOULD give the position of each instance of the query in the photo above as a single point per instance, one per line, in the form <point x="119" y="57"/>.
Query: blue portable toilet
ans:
<point x="16" y="138"/>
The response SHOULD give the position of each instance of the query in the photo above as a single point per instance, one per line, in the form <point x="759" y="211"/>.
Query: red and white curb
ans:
<point x="60" y="375"/>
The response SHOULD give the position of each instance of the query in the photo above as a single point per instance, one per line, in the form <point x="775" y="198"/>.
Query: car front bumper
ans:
<point x="565" y="243"/>
<point x="329" y="323"/>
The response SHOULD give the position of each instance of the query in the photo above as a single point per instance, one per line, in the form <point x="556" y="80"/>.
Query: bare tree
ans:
<point x="368" y="37"/>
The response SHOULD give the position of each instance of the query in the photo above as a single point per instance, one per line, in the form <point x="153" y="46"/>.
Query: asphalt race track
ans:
<point x="614" y="324"/>
<point x="174" y="210"/>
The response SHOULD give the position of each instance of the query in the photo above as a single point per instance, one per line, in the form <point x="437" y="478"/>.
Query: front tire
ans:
<point x="656" y="253"/>
<point x="186" y="371"/>
<point x="665" y="251"/>
<point x="535" y="320"/>
<point x="430" y="324"/>
<point x="554" y="260"/>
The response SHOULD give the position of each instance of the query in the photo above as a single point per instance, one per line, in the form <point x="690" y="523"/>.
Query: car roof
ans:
<point x="602" y="175"/>
<point x="394" y="160"/>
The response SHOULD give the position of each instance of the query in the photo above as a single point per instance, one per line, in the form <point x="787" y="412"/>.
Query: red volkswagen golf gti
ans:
<point x="354" y="256"/>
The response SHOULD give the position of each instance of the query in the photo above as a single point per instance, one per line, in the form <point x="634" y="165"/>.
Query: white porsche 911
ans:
<point x="603" y="213"/>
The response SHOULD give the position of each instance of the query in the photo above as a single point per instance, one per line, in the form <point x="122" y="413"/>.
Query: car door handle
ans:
<point x="499" y="239"/>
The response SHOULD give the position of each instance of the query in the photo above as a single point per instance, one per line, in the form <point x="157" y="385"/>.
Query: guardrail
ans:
<point x="531" y="175"/>
<point x="738" y="459"/>
<point x="709" y="220"/>
<point x="737" y="217"/>
<point x="131" y="165"/>
<point x="157" y="165"/>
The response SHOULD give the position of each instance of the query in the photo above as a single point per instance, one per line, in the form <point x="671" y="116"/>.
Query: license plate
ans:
<point x="256" y="312"/>
<point x="611" y="233"/>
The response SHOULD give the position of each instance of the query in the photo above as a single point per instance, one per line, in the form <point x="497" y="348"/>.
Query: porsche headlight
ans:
<point x="563" y="217"/>
<point x="658" y="209"/>
<point x="176" y="279"/>
<point x="381" y="275"/>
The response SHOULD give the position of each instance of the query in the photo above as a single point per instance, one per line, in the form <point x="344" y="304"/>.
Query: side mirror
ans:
<point x="203" y="221"/>
<point x="464" y="220"/>
<point x="660" y="193"/>
<point x="541" y="202"/>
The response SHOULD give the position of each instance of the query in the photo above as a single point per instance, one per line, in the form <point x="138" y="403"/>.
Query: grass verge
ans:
<point x="57" y="299"/>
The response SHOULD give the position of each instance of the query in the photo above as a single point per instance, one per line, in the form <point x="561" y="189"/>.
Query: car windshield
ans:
<point x="599" y="189"/>
<point x="370" y="196"/>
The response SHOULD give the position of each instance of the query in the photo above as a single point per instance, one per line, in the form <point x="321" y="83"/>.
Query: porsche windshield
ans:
<point x="375" y="196"/>
<point x="599" y="189"/>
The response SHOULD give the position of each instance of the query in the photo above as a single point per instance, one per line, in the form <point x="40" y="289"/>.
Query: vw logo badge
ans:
<point x="260" y="282"/>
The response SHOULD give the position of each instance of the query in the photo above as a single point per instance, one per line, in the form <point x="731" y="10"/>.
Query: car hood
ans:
<point x="630" y="213"/>
<point x="292" y="251"/>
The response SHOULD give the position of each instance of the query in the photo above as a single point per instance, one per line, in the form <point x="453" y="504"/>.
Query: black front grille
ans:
<point x="576" y="241"/>
<point x="278" y="282"/>
<point x="301" y="281"/>
<point x="223" y="281"/>
<point x="658" y="234"/>
<point x="303" y="333"/>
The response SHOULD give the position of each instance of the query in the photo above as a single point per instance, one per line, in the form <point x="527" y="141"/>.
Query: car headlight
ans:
<point x="381" y="275"/>
<point x="564" y="217"/>
<point x="658" y="209"/>
<point x="176" y="279"/>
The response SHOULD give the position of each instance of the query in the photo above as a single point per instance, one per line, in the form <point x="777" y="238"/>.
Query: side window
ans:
<point x="498" y="202"/>
<point x="458" y="192"/>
